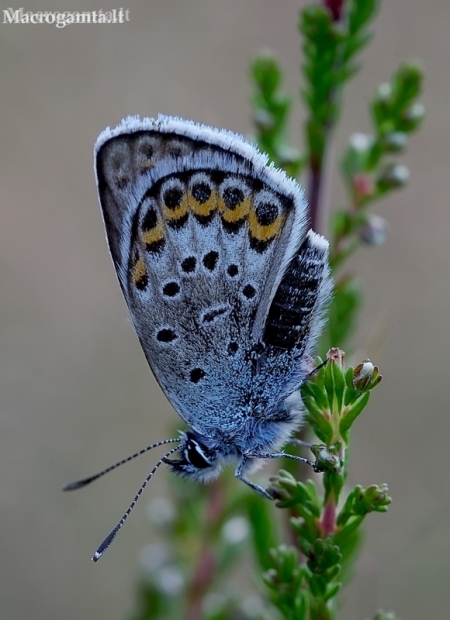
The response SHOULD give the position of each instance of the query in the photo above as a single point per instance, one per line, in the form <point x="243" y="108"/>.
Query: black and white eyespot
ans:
<point x="266" y="219"/>
<point x="267" y="207"/>
<point x="149" y="215"/>
<point x="201" y="187"/>
<point x="249" y="291"/>
<point x="172" y="192"/>
<point x="170" y="289"/>
<point x="152" y="236"/>
<point x="166" y="336"/>
<point x="233" y="191"/>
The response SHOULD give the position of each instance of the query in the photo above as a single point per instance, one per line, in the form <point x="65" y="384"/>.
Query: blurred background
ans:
<point x="76" y="392"/>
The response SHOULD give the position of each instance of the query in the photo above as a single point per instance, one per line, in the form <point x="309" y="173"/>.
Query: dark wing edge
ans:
<point x="296" y="315"/>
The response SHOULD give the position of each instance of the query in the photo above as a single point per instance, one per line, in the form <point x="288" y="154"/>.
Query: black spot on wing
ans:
<point x="196" y="375"/>
<point x="210" y="260"/>
<point x="188" y="264"/>
<point x="166" y="335"/>
<point x="201" y="192"/>
<point x="172" y="197"/>
<point x="249" y="291"/>
<point x="171" y="289"/>
<point x="142" y="282"/>
<point x="232" y="270"/>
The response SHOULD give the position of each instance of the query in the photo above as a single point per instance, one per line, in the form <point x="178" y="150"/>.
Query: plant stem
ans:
<point x="206" y="565"/>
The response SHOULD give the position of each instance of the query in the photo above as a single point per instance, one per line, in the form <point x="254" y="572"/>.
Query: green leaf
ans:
<point x="353" y="412"/>
<point x="313" y="392"/>
<point x="335" y="386"/>
<point x="332" y="590"/>
<point x="263" y="529"/>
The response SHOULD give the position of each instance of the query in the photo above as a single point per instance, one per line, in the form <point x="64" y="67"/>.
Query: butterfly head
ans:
<point x="200" y="459"/>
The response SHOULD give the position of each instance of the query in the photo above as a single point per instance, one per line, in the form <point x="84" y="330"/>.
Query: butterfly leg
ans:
<point x="299" y="442"/>
<point x="283" y="455"/>
<point x="240" y="476"/>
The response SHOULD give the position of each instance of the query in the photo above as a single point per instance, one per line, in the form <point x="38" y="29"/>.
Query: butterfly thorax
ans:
<point x="202" y="457"/>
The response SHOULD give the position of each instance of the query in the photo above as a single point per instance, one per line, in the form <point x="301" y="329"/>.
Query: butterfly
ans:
<point x="225" y="284"/>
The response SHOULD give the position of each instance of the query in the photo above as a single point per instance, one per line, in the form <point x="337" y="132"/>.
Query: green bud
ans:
<point x="288" y="155"/>
<point x="384" y="93"/>
<point x="327" y="457"/>
<point x="394" y="141"/>
<point x="385" y="615"/>
<point x="382" y="103"/>
<point x="360" y="142"/>
<point x="271" y="578"/>
<point x="263" y="119"/>
<point x="291" y="492"/>
<point x="266" y="73"/>
<point x="358" y="153"/>
<point x="413" y="117"/>
<point x="393" y="176"/>
<point x="373" y="499"/>
<point x="408" y="82"/>
<point x="375" y="231"/>
<point x="323" y="555"/>
<point x="285" y="563"/>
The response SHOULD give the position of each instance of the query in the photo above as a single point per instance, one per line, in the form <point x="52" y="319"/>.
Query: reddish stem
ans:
<point x="328" y="521"/>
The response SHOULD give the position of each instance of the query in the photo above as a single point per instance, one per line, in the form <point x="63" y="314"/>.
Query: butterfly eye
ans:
<point x="194" y="454"/>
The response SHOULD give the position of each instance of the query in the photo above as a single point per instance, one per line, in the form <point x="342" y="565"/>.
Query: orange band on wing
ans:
<point x="264" y="233"/>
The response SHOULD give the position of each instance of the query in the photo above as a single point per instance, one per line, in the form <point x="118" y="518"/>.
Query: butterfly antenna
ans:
<point x="108" y="540"/>
<point x="315" y="370"/>
<point x="82" y="483"/>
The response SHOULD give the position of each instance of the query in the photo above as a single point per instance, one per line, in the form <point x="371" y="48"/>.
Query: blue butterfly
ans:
<point x="225" y="285"/>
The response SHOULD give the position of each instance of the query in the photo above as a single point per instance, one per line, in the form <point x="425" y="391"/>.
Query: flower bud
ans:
<point x="366" y="376"/>
<point x="336" y="356"/>
<point x="375" y="498"/>
<point x="327" y="457"/>
<point x="288" y="155"/>
<point x="375" y="231"/>
<point x="358" y="153"/>
<point x="263" y="119"/>
<point x="413" y="117"/>
<point x="395" y="141"/>
<point x="392" y="177"/>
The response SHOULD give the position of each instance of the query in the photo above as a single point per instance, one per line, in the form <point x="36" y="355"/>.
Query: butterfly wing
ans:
<point x="207" y="240"/>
